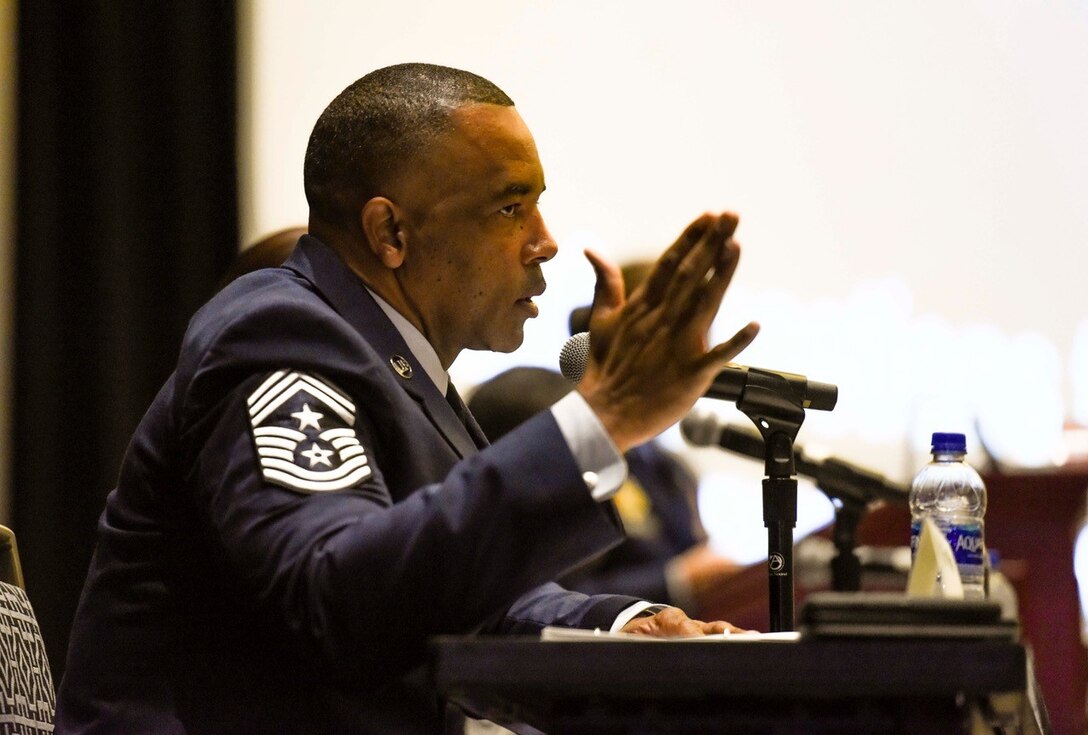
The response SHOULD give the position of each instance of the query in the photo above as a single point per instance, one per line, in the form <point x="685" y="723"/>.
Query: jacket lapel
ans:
<point x="345" y="292"/>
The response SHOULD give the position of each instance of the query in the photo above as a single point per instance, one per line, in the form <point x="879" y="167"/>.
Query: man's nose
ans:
<point x="541" y="247"/>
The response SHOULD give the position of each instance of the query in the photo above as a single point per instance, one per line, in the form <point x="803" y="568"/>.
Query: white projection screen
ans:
<point x="912" y="181"/>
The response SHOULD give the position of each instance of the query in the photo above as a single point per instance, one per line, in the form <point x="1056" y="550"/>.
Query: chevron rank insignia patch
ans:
<point x="304" y="430"/>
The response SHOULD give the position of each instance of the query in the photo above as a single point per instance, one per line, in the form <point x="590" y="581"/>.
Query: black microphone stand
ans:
<point x="846" y="566"/>
<point x="850" y="501"/>
<point x="770" y="402"/>
<point x="851" y="489"/>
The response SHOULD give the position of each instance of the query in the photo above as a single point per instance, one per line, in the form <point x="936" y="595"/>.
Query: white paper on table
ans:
<point x="934" y="573"/>
<point x="558" y="633"/>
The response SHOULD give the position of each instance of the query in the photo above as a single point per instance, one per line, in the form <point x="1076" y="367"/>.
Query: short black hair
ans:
<point x="374" y="126"/>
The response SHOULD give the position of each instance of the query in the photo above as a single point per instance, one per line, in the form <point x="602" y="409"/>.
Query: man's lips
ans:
<point x="533" y="293"/>
<point x="527" y="300"/>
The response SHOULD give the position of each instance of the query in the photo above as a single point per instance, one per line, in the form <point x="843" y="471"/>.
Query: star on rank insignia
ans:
<point x="304" y="431"/>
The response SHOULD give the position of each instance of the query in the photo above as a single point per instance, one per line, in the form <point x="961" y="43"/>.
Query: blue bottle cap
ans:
<point x="943" y="442"/>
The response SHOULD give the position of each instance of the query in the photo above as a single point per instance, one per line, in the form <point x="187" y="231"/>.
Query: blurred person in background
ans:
<point x="665" y="555"/>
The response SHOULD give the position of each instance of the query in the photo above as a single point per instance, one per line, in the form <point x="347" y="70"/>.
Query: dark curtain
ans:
<point x="126" y="218"/>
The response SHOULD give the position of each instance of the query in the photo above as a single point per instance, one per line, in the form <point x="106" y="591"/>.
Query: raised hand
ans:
<point x="649" y="356"/>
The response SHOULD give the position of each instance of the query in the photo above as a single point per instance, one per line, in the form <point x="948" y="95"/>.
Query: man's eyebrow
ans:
<point x="518" y="189"/>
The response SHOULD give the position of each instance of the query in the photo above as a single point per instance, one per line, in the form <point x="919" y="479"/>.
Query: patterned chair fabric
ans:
<point x="27" y="699"/>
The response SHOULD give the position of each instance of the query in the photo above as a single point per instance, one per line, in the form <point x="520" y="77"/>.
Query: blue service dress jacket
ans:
<point x="671" y="526"/>
<point x="299" y="511"/>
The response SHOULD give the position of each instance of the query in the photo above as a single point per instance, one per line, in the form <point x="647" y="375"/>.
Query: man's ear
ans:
<point x="381" y="220"/>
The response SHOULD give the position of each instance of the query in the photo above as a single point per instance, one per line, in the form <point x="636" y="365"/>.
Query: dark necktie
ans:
<point x="458" y="406"/>
<point x="463" y="415"/>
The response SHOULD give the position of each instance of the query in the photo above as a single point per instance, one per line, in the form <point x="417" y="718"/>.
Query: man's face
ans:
<point x="475" y="237"/>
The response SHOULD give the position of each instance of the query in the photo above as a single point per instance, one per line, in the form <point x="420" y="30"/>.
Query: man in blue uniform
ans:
<point x="307" y="501"/>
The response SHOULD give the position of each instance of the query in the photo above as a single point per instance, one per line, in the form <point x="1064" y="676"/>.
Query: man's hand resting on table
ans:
<point x="672" y="622"/>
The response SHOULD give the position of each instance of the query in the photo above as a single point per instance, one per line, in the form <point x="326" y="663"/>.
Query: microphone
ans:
<point x="729" y="385"/>
<point x="836" y="477"/>
<point x="733" y="380"/>
<point x="574" y="356"/>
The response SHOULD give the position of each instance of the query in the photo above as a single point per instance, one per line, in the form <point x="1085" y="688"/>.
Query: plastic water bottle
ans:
<point x="951" y="493"/>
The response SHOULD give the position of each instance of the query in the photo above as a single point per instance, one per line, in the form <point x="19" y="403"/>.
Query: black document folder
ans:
<point x="888" y="615"/>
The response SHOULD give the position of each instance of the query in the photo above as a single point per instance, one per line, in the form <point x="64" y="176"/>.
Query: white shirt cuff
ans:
<point x="603" y="466"/>
<point x="626" y="615"/>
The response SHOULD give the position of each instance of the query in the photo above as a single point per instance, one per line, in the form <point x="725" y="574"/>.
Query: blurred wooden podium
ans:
<point x="761" y="687"/>
<point x="751" y="687"/>
<point x="1032" y="519"/>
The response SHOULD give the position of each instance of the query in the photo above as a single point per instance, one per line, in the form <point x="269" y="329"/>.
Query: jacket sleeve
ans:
<point x="362" y="583"/>
<point x="550" y="604"/>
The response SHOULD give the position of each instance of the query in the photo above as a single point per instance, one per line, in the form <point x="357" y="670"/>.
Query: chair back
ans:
<point x="27" y="697"/>
<point x="10" y="569"/>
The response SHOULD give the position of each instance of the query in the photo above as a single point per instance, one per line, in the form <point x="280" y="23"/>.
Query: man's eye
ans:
<point x="510" y="210"/>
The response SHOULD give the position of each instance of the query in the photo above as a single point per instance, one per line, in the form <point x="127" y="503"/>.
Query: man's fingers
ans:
<point x="720" y="626"/>
<point x="724" y="268"/>
<point x="660" y="333"/>
<point x="657" y="284"/>
<point x="699" y="283"/>
<point x="673" y="622"/>
<point x="732" y="347"/>
<point x="715" y="626"/>
<point x="608" y="289"/>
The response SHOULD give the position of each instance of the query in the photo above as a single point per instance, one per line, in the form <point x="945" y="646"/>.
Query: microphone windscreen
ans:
<point x="701" y="428"/>
<point x="574" y="356"/>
